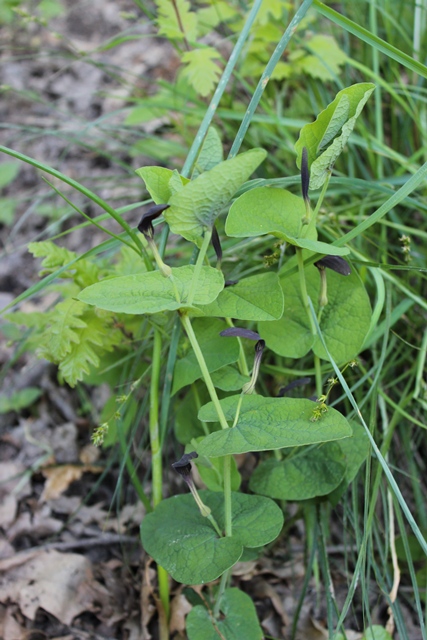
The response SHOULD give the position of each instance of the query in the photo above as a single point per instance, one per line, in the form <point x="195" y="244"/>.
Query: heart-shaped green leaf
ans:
<point x="344" y="322"/>
<point x="195" y="207"/>
<point x="309" y="473"/>
<point x="210" y="154"/>
<point x="258" y="297"/>
<point x="229" y="379"/>
<point x="266" y="210"/>
<point x="238" y="619"/>
<point x="161" y="183"/>
<point x="269" y="423"/>
<point x="151" y="292"/>
<point x="279" y="213"/>
<point x="216" y="351"/>
<point x="187" y="545"/>
<point x="325" y="138"/>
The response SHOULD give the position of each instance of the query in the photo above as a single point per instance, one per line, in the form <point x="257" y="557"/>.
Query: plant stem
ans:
<point x="322" y="196"/>
<point x="154" y="420"/>
<point x="181" y="26"/>
<point x="88" y="194"/>
<point x="371" y="39"/>
<point x="266" y="75"/>
<point x="239" y="406"/>
<point x="318" y="369"/>
<point x="205" y="371"/>
<point x="156" y="466"/>
<point x="167" y="385"/>
<point x="241" y="363"/>
<point x="198" y="267"/>
<point x="222" y="586"/>
<point x="303" y="286"/>
<point x="222" y="84"/>
<point x="222" y="419"/>
<point x="132" y="471"/>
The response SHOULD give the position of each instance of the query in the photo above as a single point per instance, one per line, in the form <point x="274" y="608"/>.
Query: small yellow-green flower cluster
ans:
<point x="99" y="434"/>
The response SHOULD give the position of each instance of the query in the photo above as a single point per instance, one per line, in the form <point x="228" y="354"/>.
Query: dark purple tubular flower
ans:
<point x="216" y="243"/>
<point x="183" y="466"/>
<point x="145" y="225"/>
<point x="259" y="350"/>
<point x="305" y="174"/>
<point x="336" y="263"/>
<point x="238" y="332"/>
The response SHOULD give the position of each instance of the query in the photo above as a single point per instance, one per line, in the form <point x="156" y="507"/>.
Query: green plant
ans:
<point x="306" y="307"/>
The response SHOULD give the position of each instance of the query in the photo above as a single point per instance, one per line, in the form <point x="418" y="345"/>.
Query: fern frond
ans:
<point x="201" y="71"/>
<point x="94" y="338"/>
<point x="54" y="256"/>
<point x="83" y="272"/>
<point x="33" y="320"/>
<point x="169" y="24"/>
<point x="61" y="330"/>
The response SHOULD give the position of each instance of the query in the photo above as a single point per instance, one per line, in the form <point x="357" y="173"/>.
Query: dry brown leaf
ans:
<point x="61" y="584"/>
<point x="180" y="607"/>
<point x="13" y="486"/>
<point x="246" y="570"/>
<point x="130" y="514"/>
<point x="89" y="454"/>
<point x="60" y="478"/>
<point x="8" y="510"/>
<point x="37" y="524"/>
<point x="9" y="627"/>
<point x="6" y="549"/>
<point x="263" y="589"/>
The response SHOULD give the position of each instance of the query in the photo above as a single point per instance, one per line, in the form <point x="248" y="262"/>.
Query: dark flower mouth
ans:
<point x="145" y="225"/>
<point x="238" y="332"/>
<point x="183" y="466"/>
<point x="216" y="243"/>
<point x="305" y="174"/>
<point x="336" y="263"/>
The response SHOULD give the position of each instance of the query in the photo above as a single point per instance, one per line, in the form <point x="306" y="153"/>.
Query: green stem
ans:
<point x="241" y="363"/>
<point x="88" y="218"/>
<point x="318" y="369"/>
<point x="156" y="466"/>
<point x="222" y="84"/>
<point x="198" y="267"/>
<point x="205" y="371"/>
<point x="222" y="419"/>
<point x="154" y="420"/>
<point x="371" y="39"/>
<point x="86" y="192"/>
<point x="164" y="269"/>
<point x="132" y="471"/>
<point x="304" y="289"/>
<point x="239" y="406"/>
<point x="227" y="496"/>
<point x="322" y="196"/>
<point x="222" y="586"/>
<point x="277" y="54"/>
<point x="167" y="386"/>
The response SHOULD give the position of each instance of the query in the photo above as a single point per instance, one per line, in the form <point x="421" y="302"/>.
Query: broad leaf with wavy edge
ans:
<point x="151" y="292"/>
<point x="188" y="547"/>
<point x="269" y="423"/>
